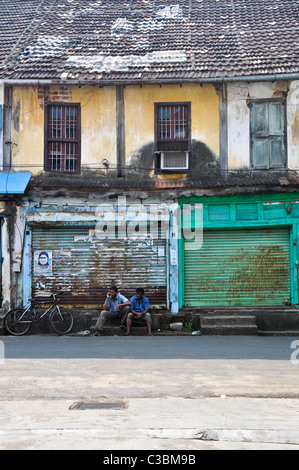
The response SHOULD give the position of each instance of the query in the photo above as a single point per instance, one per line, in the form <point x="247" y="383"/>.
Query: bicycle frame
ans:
<point x="60" y="321"/>
<point x="49" y="310"/>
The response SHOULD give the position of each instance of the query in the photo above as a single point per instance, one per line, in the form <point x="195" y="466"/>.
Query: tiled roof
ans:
<point x="144" y="40"/>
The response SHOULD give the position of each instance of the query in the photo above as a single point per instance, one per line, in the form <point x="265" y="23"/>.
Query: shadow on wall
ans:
<point x="203" y="161"/>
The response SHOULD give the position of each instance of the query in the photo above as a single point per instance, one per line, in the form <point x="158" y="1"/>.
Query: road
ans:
<point x="179" y="392"/>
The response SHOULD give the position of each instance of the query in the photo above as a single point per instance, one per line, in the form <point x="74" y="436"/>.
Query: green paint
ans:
<point x="271" y="215"/>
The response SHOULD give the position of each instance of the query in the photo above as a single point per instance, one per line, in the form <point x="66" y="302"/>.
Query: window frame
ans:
<point x="283" y="134"/>
<point x="48" y="139"/>
<point x="173" y="142"/>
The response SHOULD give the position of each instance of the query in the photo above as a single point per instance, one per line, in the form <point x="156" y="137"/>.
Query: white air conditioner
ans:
<point x="174" y="160"/>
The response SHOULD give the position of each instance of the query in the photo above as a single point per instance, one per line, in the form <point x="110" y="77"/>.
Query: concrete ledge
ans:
<point x="274" y="321"/>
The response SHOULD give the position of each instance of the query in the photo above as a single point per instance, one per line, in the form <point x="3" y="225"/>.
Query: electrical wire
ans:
<point x="141" y="169"/>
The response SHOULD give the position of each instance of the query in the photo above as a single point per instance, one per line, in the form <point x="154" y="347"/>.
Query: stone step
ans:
<point x="239" y="310"/>
<point x="116" y="331"/>
<point x="210" y="320"/>
<point x="228" y="324"/>
<point x="158" y="320"/>
<point x="230" y="330"/>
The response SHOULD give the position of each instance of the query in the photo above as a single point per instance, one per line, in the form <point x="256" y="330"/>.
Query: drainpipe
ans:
<point x="243" y="78"/>
<point x="1" y="123"/>
<point x="120" y="131"/>
<point x="6" y="131"/>
<point x="173" y="263"/>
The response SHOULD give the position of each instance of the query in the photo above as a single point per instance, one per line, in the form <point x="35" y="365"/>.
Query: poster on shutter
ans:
<point x="173" y="257"/>
<point x="161" y="251"/>
<point x="43" y="263"/>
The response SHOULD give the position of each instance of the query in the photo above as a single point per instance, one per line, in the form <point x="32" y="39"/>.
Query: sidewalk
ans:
<point x="163" y="423"/>
<point x="177" y="393"/>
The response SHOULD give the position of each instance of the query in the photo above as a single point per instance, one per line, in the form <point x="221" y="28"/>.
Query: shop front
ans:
<point x="247" y="255"/>
<point x="73" y="252"/>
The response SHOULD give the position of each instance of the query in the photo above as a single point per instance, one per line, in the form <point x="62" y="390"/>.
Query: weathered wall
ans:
<point x="98" y="124"/>
<point x="89" y="269"/>
<point x="139" y="120"/>
<point x="239" y="119"/>
<point x="27" y="130"/>
<point x="293" y="124"/>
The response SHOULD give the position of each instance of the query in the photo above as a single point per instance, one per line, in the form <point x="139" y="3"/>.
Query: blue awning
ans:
<point x="14" y="183"/>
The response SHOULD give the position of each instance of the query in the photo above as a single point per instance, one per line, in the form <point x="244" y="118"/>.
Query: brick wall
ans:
<point x="59" y="94"/>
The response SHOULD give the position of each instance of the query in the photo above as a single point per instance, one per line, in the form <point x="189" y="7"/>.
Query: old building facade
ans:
<point x="152" y="145"/>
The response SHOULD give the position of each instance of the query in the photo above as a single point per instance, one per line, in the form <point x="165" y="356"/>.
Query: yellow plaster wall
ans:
<point x="98" y="124"/>
<point x="27" y="131"/>
<point x="139" y="113"/>
<point x="98" y="127"/>
<point x="98" y="121"/>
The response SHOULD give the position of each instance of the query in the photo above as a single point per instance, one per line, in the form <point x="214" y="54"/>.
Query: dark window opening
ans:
<point x="62" y="131"/>
<point x="172" y="137"/>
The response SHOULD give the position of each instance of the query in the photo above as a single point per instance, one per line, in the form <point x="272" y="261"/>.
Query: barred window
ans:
<point x="172" y="137"/>
<point x="62" y="138"/>
<point x="173" y="122"/>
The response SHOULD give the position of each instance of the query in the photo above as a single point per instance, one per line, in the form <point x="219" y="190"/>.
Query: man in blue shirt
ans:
<point x="139" y="309"/>
<point x="116" y="305"/>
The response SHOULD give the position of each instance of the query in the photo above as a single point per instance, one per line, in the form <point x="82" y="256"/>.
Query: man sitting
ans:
<point x="115" y="306"/>
<point x="139" y="309"/>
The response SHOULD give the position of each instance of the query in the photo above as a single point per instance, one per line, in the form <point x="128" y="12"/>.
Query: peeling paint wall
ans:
<point x="98" y="123"/>
<point x="27" y="131"/>
<point x="293" y="124"/>
<point x="140" y="118"/>
<point x="239" y="95"/>
<point x="98" y="128"/>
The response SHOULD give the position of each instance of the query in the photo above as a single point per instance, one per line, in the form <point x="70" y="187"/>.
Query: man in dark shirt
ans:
<point x="139" y="309"/>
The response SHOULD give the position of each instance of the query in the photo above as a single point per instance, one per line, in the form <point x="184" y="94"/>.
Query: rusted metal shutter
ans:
<point x="89" y="266"/>
<point x="239" y="267"/>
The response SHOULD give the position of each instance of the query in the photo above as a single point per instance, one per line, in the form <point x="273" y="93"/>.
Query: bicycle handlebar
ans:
<point x="54" y="295"/>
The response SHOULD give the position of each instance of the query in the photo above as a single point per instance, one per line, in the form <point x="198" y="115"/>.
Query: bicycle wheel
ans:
<point x="17" y="321"/>
<point x="61" y="321"/>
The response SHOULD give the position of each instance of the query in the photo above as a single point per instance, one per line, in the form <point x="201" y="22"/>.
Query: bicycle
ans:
<point x="19" y="320"/>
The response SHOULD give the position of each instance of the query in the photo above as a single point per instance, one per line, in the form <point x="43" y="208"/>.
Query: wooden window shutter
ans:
<point x="268" y="135"/>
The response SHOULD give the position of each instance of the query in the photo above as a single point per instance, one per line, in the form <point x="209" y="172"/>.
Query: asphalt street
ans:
<point x="179" y="392"/>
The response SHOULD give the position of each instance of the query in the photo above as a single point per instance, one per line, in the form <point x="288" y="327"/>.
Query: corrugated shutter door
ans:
<point x="90" y="266"/>
<point x="239" y="267"/>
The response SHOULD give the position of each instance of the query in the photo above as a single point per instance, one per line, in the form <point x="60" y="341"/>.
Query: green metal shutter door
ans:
<point x="239" y="267"/>
<point x="90" y="266"/>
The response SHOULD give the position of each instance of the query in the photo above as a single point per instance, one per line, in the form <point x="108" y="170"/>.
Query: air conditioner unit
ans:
<point x="174" y="160"/>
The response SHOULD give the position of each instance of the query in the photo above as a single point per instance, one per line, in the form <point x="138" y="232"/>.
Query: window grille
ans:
<point x="63" y="138"/>
<point x="172" y="136"/>
<point x="173" y="122"/>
